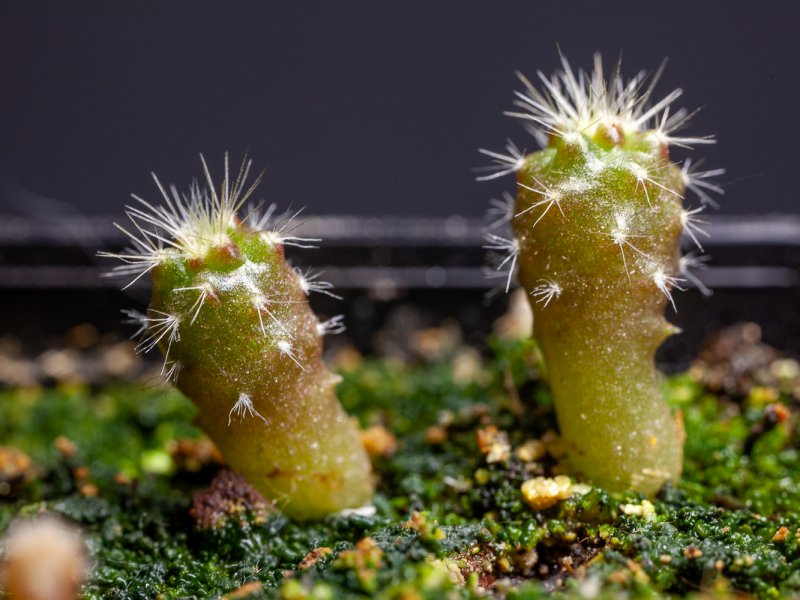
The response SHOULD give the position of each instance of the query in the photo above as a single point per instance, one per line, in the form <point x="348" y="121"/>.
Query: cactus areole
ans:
<point x="596" y="225"/>
<point x="240" y="340"/>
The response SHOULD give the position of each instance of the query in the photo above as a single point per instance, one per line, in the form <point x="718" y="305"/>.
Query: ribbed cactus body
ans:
<point x="596" y="227"/>
<point x="240" y="340"/>
<point x="597" y="245"/>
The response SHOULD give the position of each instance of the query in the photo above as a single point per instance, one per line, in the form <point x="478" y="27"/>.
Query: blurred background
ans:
<point x="363" y="107"/>
<point x="373" y="110"/>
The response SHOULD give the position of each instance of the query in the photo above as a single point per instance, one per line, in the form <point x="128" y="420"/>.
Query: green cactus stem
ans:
<point x="597" y="225"/>
<point x="239" y="339"/>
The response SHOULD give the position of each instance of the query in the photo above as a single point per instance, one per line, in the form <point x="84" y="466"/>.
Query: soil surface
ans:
<point x="458" y="440"/>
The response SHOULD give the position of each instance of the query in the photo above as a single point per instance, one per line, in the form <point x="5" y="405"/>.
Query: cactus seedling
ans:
<point x="597" y="224"/>
<point x="240" y="340"/>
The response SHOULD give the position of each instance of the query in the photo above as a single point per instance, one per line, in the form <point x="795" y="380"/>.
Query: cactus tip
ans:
<point x="232" y="320"/>
<point x="605" y="166"/>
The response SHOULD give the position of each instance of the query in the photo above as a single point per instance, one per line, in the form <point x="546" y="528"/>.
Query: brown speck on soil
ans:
<point x="781" y="534"/>
<point x="246" y="590"/>
<point x="551" y="563"/>
<point x="80" y="474"/>
<point x="692" y="552"/>
<point x="65" y="446"/>
<point x="467" y="365"/>
<point x="228" y="496"/>
<point x="481" y="561"/>
<point x="436" y="435"/>
<point x="556" y="563"/>
<point x="554" y="444"/>
<point x="378" y="441"/>
<point x="16" y="468"/>
<point x="194" y="454"/>
<point x="408" y="336"/>
<point x="313" y="557"/>
<point x="774" y="415"/>
<point x="365" y="559"/>
<point x="434" y="343"/>
<point x="494" y="444"/>
<point x="531" y="450"/>
<point x="620" y="577"/>
<point x="88" y="490"/>
<point x="122" y="479"/>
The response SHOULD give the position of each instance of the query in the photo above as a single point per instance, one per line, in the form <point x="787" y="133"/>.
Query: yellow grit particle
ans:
<point x="645" y="509"/>
<point x="531" y="451"/>
<point x="543" y="492"/>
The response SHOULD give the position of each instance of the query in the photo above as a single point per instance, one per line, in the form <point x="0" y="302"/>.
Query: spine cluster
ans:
<point x="233" y="322"/>
<point x="597" y="224"/>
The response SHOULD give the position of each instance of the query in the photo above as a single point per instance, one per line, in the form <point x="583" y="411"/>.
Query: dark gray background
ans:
<point x="363" y="107"/>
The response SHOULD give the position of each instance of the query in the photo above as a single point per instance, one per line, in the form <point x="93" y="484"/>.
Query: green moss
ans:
<point x="713" y="531"/>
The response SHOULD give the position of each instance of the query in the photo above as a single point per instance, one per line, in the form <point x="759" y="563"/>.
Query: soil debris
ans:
<point x="543" y="492"/>
<point x="229" y="497"/>
<point x="734" y="360"/>
<point x="378" y="441"/>
<point x="494" y="444"/>
<point x="313" y="557"/>
<point x="194" y="454"/>
<point x="16" y="469"/>
<point x="774" y="415"/>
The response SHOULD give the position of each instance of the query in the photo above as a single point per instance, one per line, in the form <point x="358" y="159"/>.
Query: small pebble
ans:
<point x="543" y="492"/>
<point x="531" y="450"/>
<point x="781" y="534"/>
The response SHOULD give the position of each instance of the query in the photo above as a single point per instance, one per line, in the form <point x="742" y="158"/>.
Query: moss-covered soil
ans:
<point x="452" y="441"/>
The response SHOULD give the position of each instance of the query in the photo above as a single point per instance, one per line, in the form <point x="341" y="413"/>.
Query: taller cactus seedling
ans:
<point x="597" y="224"/>
<point x="239" y="339"/>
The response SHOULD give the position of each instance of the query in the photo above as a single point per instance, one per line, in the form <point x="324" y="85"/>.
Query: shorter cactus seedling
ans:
<point x="240" y="340"/>
<point x="597" y="223"/>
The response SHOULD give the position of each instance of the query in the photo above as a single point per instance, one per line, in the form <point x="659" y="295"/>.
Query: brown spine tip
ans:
<point x="664" y="151"/>
<point x="195" y="264"/>
<point x="225" y="255"/>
